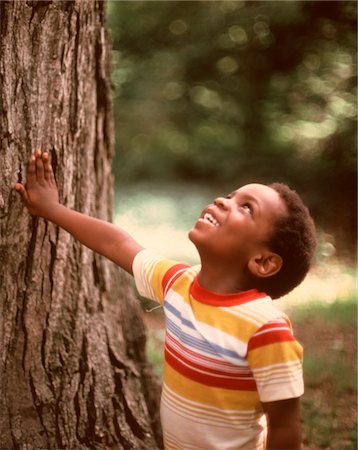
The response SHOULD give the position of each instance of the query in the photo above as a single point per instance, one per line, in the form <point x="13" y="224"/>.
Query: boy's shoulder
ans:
<point x="263" y="310"/>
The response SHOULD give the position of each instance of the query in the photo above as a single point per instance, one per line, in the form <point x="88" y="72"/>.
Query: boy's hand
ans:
<point x="40" y="194"/>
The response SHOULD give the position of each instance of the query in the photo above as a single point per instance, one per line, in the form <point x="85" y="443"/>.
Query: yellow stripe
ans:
<point x="182" y="286"/>
<point x="262" y="310"/>
<point x="156" y="275"/>
<point x="216" y="317"/>
<point x="223" y="320"/>
<point x="217" y="397"/>
<point x="275" y="354"/>
<point x="198" y="410"/>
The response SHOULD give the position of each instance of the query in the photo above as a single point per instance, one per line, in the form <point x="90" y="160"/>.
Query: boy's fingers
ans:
<point x="31" y="169"/>
<point x="39" y="166"/>
<point x="47" y="166"/>
<point x="49" y="176"/>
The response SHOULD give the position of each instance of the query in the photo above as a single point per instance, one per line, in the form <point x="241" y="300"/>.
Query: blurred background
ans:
<point x="210" y="95"/>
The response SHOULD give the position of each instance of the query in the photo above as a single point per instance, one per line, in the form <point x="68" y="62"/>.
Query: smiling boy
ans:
<point x="233" y="369"/>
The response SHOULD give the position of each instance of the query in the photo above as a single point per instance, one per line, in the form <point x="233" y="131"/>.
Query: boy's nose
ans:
<point x="221" y="202"/>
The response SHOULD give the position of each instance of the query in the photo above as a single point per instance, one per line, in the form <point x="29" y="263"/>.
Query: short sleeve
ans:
<point x="275" y="358"/>
<point x="154" y="275"/>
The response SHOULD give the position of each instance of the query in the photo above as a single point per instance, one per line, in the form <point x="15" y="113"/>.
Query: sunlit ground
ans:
<point x="160" y="218"/>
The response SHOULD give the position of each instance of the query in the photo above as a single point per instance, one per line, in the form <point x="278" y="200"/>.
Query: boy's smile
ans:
<point x="208" y="217"/>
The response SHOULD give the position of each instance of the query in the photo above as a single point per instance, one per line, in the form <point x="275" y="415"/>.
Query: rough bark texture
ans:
<point x="72" y="370"/>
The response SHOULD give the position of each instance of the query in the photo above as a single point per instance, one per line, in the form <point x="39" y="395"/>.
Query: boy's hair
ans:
<point x="294" y="239"/>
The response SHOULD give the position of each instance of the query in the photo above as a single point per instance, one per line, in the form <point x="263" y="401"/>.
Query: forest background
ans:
<point x="211" y="95"/>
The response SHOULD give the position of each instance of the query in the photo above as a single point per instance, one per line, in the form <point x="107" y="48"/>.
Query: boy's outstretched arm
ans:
<point x="284" y="425"/>
<point x="41" y="198"/>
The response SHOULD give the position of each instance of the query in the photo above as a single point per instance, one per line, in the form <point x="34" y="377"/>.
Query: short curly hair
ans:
<point x="294" y="239"/>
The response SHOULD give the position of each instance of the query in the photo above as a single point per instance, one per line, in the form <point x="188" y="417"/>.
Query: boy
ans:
<point x="233" y="369"/>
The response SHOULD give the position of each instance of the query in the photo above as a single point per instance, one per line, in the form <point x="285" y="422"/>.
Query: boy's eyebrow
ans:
<point x="249" y="197"/>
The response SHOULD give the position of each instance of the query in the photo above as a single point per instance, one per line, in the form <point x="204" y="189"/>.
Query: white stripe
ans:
<point x="286" y="374"/>
<point x="179" y="430"/>
<point x="261" y="310"/>
<point x="143" y="266"/>
<point x="277" y="366"/>
<point x="279" y="379"/>
<point x="178" y="444"/>
<point x="270" y="330"/>
<point x="292" y="380"/>
<point x="207" y="420"/>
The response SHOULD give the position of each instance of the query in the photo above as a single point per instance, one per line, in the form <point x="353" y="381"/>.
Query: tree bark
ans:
<point x="73" y="373"/>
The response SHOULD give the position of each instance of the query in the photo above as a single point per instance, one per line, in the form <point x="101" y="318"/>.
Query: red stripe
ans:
<point x="170" y="339"/>
<point x="217" y="299"/>
<point x="197" y="365"/>
<point x="209" y="380"/>
<point x="171" y="275"/>
<point x="274" y="324"/>
<point x="271" y="336"/>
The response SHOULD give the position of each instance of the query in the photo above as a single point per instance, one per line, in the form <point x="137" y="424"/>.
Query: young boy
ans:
<point x="233" y="369"/>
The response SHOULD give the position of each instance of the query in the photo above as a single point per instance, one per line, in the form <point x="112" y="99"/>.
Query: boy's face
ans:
<point x="233" y="228"/>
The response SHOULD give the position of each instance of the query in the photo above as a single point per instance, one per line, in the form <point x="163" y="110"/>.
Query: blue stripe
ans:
<point x="190" y="341"/>
<point x="178" y="314"/>
<point x="209" y="347"/>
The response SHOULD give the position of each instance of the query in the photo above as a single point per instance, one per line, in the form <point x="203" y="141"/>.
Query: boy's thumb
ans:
<point x="22" y="191"/>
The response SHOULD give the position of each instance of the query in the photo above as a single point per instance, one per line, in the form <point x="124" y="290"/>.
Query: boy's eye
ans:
<point x="247" y="207"/>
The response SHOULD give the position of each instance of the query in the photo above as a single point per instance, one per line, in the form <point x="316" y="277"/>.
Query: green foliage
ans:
<point x="155" y="350"/>
<point x="239" y="91"/>
<point x="342" y="312"/>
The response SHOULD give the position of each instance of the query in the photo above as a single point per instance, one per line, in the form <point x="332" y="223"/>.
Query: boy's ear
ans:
<point x="265" y="264"/>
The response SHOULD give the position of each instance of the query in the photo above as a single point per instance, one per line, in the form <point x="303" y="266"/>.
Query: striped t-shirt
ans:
<point x="224" y="355"/>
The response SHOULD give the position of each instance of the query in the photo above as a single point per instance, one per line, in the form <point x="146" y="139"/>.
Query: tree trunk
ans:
<point x="72" y="369"/>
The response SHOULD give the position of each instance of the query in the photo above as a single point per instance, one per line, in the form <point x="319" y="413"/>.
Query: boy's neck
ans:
<point x="220" y="280"/>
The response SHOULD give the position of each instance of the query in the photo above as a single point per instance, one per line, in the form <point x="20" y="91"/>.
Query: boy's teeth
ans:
<point x="211" y="219"/>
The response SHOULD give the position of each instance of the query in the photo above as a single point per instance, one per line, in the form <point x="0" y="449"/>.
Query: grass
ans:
<point x="328" y="333"/>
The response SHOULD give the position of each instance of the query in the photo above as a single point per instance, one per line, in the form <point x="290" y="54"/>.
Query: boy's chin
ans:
<point x="197" y="239"/>
<point x="192" y="235"/>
